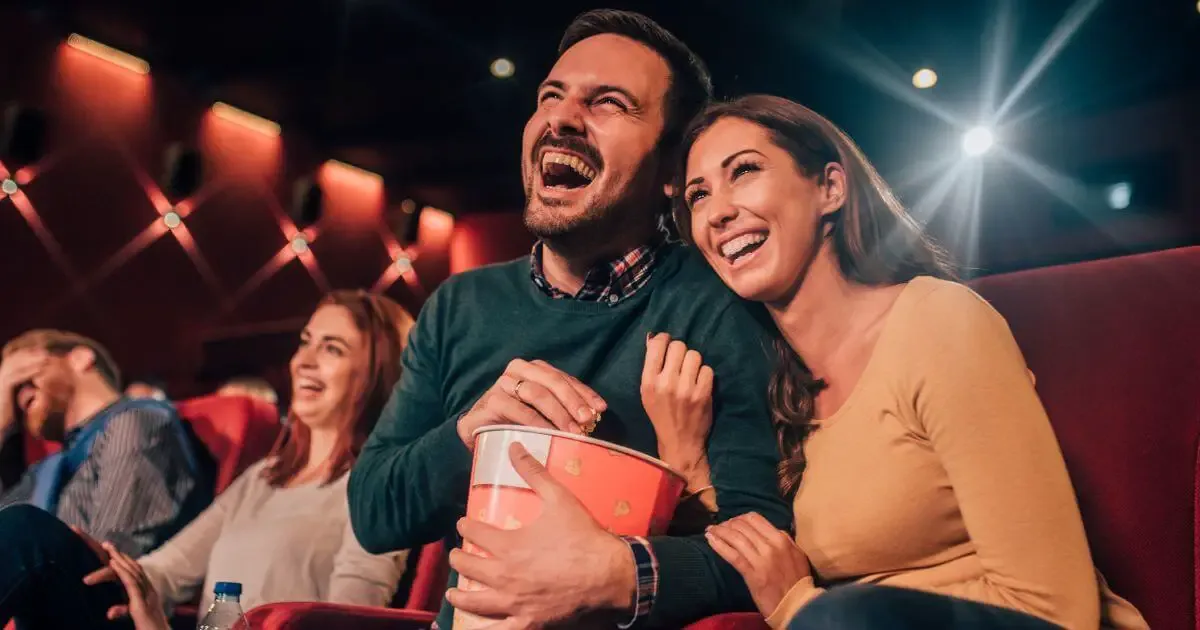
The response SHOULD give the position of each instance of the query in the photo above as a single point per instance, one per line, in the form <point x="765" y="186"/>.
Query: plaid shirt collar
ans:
<point x="609" y="282"/>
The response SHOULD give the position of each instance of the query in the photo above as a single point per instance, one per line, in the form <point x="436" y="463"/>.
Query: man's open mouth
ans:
<point x="566" y="170"/>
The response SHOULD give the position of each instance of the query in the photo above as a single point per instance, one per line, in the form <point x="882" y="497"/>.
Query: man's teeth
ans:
<point x="742" y="244"/>
<point x="576" y="164"/>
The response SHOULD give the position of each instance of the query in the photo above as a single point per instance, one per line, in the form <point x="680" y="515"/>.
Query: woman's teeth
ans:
<point x="743" y="245"/>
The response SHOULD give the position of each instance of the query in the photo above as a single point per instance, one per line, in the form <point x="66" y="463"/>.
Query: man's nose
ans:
<point x="566" y="118"/>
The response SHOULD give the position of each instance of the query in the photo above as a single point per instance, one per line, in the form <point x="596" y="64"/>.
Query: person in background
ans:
<point x="127" y="472"/>
<point x="557" y="340"/>
<point x="251" y="386"/>
<point x="151" y="388"/>
<point x="282" y="528"/>
<point x="928" y="487"/>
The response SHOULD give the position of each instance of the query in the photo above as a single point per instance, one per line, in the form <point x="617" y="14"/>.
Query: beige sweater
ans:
<point x="282" y="544"/>
<point x="941" y="473"/>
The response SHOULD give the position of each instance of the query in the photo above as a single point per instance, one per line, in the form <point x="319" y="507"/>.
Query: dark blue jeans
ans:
<point x="42" y="564"/>
<point x="869" y="607"/>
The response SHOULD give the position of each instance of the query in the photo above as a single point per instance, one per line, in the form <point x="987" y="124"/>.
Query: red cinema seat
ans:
<point x="424" y="599"/>
<point x="430" y="574"/>
<point x="1115" y="345"/>
<point x="236" y="430"/>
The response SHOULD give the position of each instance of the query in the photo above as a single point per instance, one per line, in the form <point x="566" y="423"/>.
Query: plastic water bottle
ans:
<point x="226" y="609"/>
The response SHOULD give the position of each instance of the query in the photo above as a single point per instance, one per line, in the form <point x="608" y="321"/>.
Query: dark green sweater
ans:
<point x="410" y="483"/>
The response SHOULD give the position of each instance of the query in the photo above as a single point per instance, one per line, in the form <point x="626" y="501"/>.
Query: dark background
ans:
<point x="403" y="89"/>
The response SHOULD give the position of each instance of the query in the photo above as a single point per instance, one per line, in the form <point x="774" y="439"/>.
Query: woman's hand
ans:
<point x="768" y="559"/>
<point x="145" y="606"/>
<point x="677" y="394"/>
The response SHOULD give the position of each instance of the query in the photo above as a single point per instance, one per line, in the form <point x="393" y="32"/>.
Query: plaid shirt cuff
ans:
<point x="647" y="578"/>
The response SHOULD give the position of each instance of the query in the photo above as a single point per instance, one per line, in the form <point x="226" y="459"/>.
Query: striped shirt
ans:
<point x="135" y="489"/>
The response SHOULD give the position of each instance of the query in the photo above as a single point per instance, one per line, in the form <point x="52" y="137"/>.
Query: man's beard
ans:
<point x="601" y="219"/>
<point x="547" y="224"/>
<point x="47" y="416"/>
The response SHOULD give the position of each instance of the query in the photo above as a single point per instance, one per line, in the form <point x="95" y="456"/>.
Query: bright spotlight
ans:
<point x="299" y="244"/>
<point x="404" y="263"/>
<point x="172" y="220"/>
<point x="977" y="141"/>
<point x="924" y="79"/>
<point x="503" y="68"/>
<point x="8" y="186"/>
<point x="1119" y="195"/>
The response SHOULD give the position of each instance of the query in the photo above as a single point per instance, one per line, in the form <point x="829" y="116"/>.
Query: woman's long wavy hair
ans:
<point x="385" y="326"/>
<point x="876" y="242"/>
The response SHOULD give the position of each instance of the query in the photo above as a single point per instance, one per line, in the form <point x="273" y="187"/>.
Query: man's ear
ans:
<point x="81" y="358"/>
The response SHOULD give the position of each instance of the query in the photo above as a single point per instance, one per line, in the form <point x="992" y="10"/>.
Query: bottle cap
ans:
<point x="228" y="588"/>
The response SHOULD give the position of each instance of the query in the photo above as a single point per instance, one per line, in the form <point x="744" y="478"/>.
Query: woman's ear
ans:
<point x="833" y="188"/>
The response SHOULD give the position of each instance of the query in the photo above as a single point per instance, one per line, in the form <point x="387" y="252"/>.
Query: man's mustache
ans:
<point x="572" y="144"/>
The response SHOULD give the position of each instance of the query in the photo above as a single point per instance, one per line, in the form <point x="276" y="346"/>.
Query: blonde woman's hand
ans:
<point x="677" y="392"/>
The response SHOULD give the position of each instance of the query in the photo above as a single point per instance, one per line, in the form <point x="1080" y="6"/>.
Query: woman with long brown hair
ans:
<point x="282" y="529"/>
<point x="928" y="488"/>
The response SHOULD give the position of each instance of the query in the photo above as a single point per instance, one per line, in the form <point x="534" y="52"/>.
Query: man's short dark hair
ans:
<point x="691" y="86"/>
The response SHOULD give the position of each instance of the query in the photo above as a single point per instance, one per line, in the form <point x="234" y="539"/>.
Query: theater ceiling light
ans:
<point x="503" y="68"/>
<point x="244" y="118"/>
<point x="299" y="244"/>
<point x="924" y="79"/>
<point x="108" y="53"/>
<point x="1119" y="195"/>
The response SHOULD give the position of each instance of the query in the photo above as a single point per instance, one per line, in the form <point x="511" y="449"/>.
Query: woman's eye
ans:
<point x="743" y="168"/>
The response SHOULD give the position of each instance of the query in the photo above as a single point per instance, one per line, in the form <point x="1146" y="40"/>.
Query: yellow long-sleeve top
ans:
<point x="941" y="473"/>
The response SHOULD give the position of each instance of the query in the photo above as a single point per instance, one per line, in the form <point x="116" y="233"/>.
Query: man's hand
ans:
<point x="549" y="571"/>
<point x="768" y="559"/>
<point x="18" y="367"/>
<point x="533" y="394"/>
<point x="677" y="395"/>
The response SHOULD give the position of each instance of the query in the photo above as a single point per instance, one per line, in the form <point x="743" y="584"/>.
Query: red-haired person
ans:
<point x="282" y="529"/>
